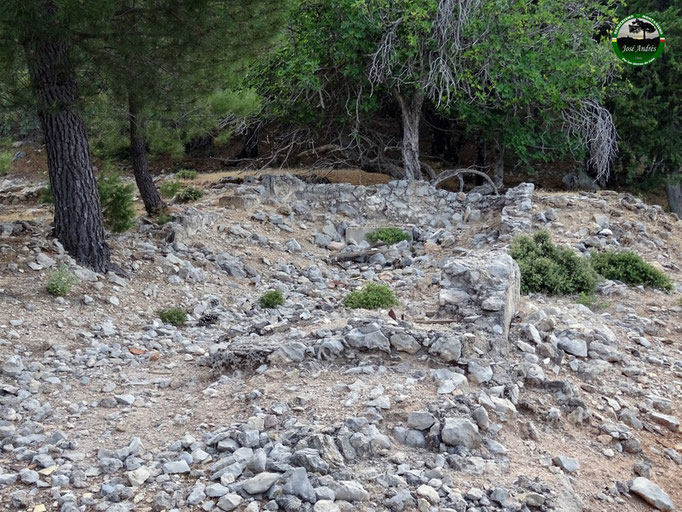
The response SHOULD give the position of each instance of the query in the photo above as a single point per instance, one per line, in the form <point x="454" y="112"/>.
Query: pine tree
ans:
<point x="39" y="29"/>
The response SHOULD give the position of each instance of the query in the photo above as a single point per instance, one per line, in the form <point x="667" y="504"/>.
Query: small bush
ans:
<point x="188" y="194"/>
<point x="162" y="218"/>
<point x="590" y="301"/>
<point x="173" y="316"/>
<point x="389" y="236"/>
<point x="45" y="195"/>
<point x="271" y="299"/>
<point x="630" y="268"/>
<point x="61" y="282"/>
<point x="117" y="203"/>
<point x="169" y="188"/>
<point x="186" y="174"/>
<point x="550" y="269"/>
<point x="5" y="162"/>
<point x="371" y="296"/>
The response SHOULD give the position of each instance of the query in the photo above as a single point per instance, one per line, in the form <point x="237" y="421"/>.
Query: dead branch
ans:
<point x="457" y="173"/>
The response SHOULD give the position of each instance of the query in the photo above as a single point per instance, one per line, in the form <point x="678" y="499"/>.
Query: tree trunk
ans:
<point x="138" y="152"/>
<point x="411" y="113"/>
<point x="498" y="170"/>
<point x="673" y="190"/>
<point x="78" y="221"/>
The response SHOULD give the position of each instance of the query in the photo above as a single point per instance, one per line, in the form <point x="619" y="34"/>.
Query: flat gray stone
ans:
<point x="652" y="494"/>
<point x="260" y="483"/>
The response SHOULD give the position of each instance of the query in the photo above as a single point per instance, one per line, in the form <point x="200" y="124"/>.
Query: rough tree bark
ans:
<point x="673" y="190"/>
<point x="411" y="109"/>
<point x="138" y="153"/>
<point x="78" y="221"/>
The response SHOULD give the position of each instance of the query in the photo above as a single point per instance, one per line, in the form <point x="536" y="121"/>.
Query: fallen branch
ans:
<point x="445" y="175"/>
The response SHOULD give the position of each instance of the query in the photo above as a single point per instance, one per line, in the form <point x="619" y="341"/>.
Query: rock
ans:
<point x="449" y="348"/>
<point x="216" y="490"/>
<point x="326" y="506"/>
<point x="177" y="467"/>
<point x="138" y="476"/>
<point x="573" y="346"/>
<point x="28" y="476"/>
<point x="421" y="420"/>
<point x="349" y="490"/>
<point x="479" y="373"/>
<point x="568" y="464"/>
<point x="405" y="343"/>
<point x="310" y="459"/>
<point x="369" y="337"/>
<point x="261" y="482"/>
<point x="292" y="245"/>
<point x="669" y="422"/>
<point x="428" y="492"/>
<point x="651" y="493"/>
<point x="13" y="366"/>
<point x="299" y="485"/>
<point x="230" y="502"/>
<point x="460" y="432"/>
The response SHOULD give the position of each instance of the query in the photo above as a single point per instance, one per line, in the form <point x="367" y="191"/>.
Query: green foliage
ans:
<point x="371" y="296"/>
<point x="630" y="268"/>
<point x="173" y="316"/>
<point x="5" y="162"/>
<point x="188" y="194"/>
<point x="61" y="282"/>
<point x="591" y="301"/>
<point x="645" y="101"/>
<point x="547" y="268"/>
<point x="271" y="299"/>
<point x="45" y="195"/>
<point x="117" y="202"/>
<point x="389" y="236"/>
<point x="164" y="140"/>
<point x="186" y="174"/>
<point x="170" y="188"/>
<point x="163" y="218"/>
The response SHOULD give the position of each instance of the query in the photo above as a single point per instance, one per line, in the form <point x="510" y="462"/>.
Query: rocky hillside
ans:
<point x="466" y="396"/>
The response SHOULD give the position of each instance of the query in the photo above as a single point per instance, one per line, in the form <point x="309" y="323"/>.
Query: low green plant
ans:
<point x="45" y="195"/>
<point x="169" y="188"/>
<point x="186" y="174"/>
<point x="547" y="268"/>
<point x="163" y="218"/>
<point x="371" y="296"/>
<point x="630" y="268"/>
<point x="5" y="162"/>
<point x="389" y="236"/>
<point x="589" y="300"/>
<point x="173" y="316"/>
<point x="118" y="206"/>
<point x="188" y="194"/>
<point x="271" y="299"/>
<point x="61" y="282"/>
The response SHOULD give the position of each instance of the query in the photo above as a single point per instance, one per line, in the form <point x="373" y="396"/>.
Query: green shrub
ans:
<point x="550" y="269"/>
<point x="271" y="299"/>
<point x="5" y="162"/>
<point x="371" y="296"/>
<point x="163" y="218"/>
<point x="630" y="268"/>
<point x="169" y="188"/>
<point x="45" y="195"/>
<point x="389" y="236"/>
<point x="61" y="282"/>
<point x="173" y="316"/>
<point x="188" y="194"/>
<point x="186" y="174"/>
<point x="117" y="202"/>
<point x="590" y="301"/>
